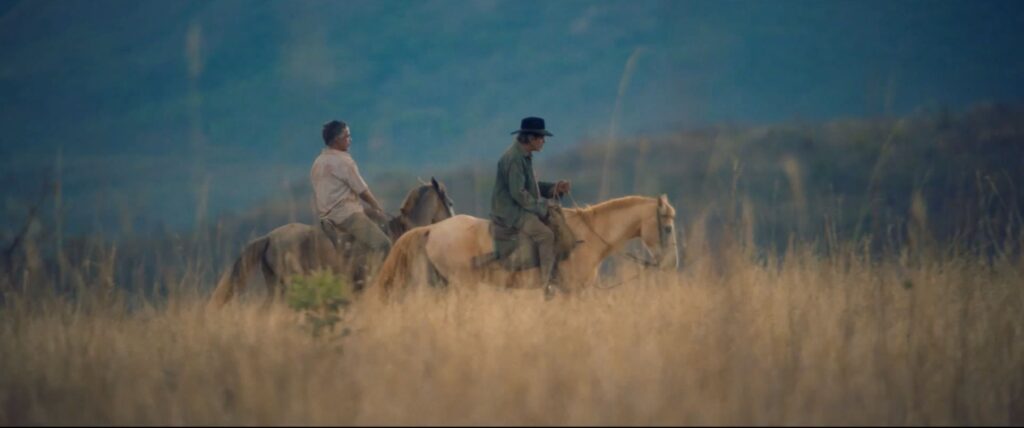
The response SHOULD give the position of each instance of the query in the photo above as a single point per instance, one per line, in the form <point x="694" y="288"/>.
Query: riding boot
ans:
<point x="544" y="239"/>
<point x="548" y="268"/>
<point x="358" y="278"/>
<point x="371" y="267"/>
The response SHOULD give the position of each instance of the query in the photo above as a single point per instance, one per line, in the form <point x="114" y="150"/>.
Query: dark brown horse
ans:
<point x="298" y="248"/>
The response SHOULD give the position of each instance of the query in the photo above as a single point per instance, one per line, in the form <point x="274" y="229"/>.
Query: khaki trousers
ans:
<point x="371" y="244"/>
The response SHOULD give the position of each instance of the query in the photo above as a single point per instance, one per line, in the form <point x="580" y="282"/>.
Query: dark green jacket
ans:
<point x="516" y="190"/>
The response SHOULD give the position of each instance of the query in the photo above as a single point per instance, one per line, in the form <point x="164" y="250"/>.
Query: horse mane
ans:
<point x="589" y="210"/>
<point x="619" y="202"/>
<point x="414" y="195"/>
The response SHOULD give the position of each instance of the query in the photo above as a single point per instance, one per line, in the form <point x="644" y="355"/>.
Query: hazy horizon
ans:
<point x="148" y="103"/>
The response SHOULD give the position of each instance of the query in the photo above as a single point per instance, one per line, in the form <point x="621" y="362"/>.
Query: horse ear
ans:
<point x="434" y="182"/>
<point x="663" y="199"/>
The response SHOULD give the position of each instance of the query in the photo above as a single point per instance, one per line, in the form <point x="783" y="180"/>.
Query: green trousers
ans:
<point x="544" y="239"/>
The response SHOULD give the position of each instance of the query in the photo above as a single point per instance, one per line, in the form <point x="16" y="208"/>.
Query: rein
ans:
<point x="397" y="225"/>
<point x="587" y="222"/>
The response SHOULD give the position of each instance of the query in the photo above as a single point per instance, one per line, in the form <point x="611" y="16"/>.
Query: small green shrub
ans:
<point x="320" y="296"/>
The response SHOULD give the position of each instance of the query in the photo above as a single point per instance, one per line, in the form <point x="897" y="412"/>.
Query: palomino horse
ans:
<point x="298" y="248"/>
<point x="448" y="247"/>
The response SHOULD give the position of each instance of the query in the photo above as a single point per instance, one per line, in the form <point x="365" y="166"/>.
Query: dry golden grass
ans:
<point x="808" y="340"/>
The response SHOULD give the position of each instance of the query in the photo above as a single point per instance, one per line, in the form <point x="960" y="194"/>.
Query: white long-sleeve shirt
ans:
<point x="336" y="185"/>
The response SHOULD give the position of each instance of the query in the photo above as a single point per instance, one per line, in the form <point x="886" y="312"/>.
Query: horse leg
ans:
<point x="435" y="278"/>
<point x="274" y="283"/>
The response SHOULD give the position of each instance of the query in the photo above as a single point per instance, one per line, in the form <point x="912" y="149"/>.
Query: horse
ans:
<point x="298" y="248"/>
<point x="447" y="249"/>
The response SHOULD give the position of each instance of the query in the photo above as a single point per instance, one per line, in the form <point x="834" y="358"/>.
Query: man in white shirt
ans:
<point x="338" y="193"/>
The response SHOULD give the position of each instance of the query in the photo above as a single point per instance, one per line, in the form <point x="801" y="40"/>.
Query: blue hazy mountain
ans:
<point x="172" y="111"/>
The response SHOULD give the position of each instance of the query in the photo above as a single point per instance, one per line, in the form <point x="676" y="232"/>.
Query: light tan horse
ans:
<point x="298" y="248"/>
<point x="448" y="247"/>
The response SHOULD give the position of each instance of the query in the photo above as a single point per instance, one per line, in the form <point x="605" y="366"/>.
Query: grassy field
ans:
<point x="806" y="339"/>
<point x="867" y="272"/>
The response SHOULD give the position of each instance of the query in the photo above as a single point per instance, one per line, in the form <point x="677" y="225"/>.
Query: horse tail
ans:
<point x="234" y="280"/>
<point x="399" y="264"/>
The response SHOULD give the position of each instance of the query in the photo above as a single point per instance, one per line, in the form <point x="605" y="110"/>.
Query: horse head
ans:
<point x="443" y="205"/>
<point x="658" y="234"/>
<point x="427" y="204"/>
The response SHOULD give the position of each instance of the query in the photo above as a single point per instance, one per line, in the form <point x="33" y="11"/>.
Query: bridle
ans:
<point x="663" y="233"/>
<point x="400" y="223"/>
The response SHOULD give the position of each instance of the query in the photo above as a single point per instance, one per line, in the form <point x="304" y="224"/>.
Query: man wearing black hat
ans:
<point x="516" y="202"/>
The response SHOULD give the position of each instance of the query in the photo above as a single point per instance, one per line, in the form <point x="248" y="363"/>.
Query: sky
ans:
<point x="160" y="107"/>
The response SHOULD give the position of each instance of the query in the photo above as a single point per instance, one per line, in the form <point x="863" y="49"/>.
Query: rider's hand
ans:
<point x="377" y="214"/>
<point x="562" y="187"/>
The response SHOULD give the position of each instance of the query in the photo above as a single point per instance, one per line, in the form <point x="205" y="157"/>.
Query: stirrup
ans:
<point x="549" y="292"/>
<point x="553" y="288"/>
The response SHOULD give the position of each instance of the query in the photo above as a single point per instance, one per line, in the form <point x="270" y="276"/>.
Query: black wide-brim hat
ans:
<point x="533" y="125"/>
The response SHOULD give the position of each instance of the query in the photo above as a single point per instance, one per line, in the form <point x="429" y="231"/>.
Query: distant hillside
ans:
<point x="857" y="176"/>
<point x="160" y="113"/>
<point x="941" y="176"/>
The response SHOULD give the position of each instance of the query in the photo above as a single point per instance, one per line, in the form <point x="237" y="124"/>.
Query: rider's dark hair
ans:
<point x="333" y="129"/>
<point x="524" y="137"/>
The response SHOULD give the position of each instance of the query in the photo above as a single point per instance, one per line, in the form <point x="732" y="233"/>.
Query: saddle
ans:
<point x="514" y="251"/>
